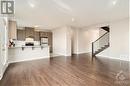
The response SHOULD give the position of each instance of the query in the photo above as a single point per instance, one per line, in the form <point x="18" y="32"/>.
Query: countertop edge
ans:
<point x="27" y="47"/>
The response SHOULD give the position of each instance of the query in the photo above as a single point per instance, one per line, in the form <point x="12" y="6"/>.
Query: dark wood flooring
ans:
<point x="77" y="70"/>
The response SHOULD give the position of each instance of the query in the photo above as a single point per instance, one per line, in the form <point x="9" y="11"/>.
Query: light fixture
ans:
<point x="72" y="19"/>
<point x="36" y="26"/>
<point x="114" y="2"/>
<point x="32" y="5"/>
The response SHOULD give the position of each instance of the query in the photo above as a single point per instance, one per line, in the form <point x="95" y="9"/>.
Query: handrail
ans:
<point x="100" y="37"/>
<point x="98" y="49"/>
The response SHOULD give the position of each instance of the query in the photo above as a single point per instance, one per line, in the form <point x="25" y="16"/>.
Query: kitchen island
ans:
<point x="25" y="53"/>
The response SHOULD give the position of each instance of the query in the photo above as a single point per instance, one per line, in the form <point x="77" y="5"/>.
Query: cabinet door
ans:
<point x="12" y="30"/>
<point x="29" y="32"/>
<point x="49" y="36"/>
<point x="21" y="35"/>
<point x="43" y="34"/>
<point x="50" y="40"/>
<point x="36" y="36"/>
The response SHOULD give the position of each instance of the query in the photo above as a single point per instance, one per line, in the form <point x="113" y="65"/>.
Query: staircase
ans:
<point x="101" y="43"/>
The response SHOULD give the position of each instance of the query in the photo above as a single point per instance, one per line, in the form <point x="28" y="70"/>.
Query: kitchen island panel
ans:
<point x="18" y="54"/>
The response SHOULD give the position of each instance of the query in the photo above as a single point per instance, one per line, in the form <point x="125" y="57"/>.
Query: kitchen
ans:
<point x="28" y="43"/>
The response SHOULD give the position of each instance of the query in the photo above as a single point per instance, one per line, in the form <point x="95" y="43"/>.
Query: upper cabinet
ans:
<point x="50" y="40"/>
<point x="37" y="36"/>
<point x="29" y="32"/>
<point x="12" y="30"/>
<point x="21" y="34"/>
<point x="43" y="34"/>
<point x="49" y="36"/>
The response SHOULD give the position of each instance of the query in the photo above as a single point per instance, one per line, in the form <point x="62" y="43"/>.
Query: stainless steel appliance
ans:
<point x="29" y="42"/>
<point x="44" y="40"/>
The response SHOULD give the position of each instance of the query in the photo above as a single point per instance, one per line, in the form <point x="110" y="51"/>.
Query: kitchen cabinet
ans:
<point x="49" y="36"/>
<point x="29" y="32"/>
<point x="36" y="36"/>
<point x="12" y="30"/>
<point x="20" y="35"/>
<point x="50" y="40"/>
<point x="43" y="34"/>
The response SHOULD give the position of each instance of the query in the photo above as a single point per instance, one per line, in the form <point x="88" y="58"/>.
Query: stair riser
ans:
<point x="100" y="50"/>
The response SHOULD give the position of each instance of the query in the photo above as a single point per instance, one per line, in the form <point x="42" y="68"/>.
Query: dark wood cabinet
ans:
<point x="43" y="34"/>
<point x="20" y="35"/>
<point x="37" y="36"/>
<point x="29" y="32"/>
<point x="49" y="36"/>
<point x="50" y="40"/>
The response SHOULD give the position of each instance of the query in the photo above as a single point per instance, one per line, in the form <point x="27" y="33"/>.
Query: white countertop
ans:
<point x="35" y="46"/>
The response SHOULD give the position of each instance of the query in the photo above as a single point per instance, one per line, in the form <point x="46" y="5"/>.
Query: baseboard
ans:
<point x="102" y="56"/>
<point x="81" y="53"/>
<point x="3" y="70"/>
<point x="57" y="55"/>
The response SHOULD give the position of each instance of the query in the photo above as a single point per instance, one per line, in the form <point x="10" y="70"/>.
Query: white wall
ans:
<point x="86" y="39"/>
<point x="75" y="38"/>
<point x="83" y="39"/>
<point x="119" y="41"/>
<point x="3" y="45"/>
<point x="129" y="37"/>
<point x="62" y="41"/>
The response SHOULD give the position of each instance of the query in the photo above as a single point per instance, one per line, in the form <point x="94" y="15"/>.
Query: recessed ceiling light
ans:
<point x="36" y="26"/>
<point x="114" y="2"/>
<point x="72" y="19"/>
<point x="32" y="5"/>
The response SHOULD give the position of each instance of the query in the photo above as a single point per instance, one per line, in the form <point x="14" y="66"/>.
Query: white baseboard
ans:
<point x="3" y="70"/>
<point x="81" y="52"/>
<point x="56" y="55"/>
<point x="102" y="56"/>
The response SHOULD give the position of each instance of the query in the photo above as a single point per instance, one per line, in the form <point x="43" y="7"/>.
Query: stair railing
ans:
<point x="100" y="44"/>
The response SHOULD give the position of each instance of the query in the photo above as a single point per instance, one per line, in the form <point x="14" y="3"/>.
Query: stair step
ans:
<point x="101" y="49"/>
<point x="106" y="28"/>
<point x="106" y="45"/>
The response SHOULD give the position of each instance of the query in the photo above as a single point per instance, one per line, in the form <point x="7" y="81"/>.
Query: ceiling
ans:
<point x="49" y="14"/>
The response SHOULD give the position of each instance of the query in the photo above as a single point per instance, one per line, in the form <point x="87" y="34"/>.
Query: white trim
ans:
<point x="112" y="58"/>
<point x="3" y="70"/>
<point x="81" y="52"/>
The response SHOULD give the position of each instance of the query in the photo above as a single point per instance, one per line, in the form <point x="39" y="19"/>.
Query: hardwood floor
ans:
<point x="77" y="70"/>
